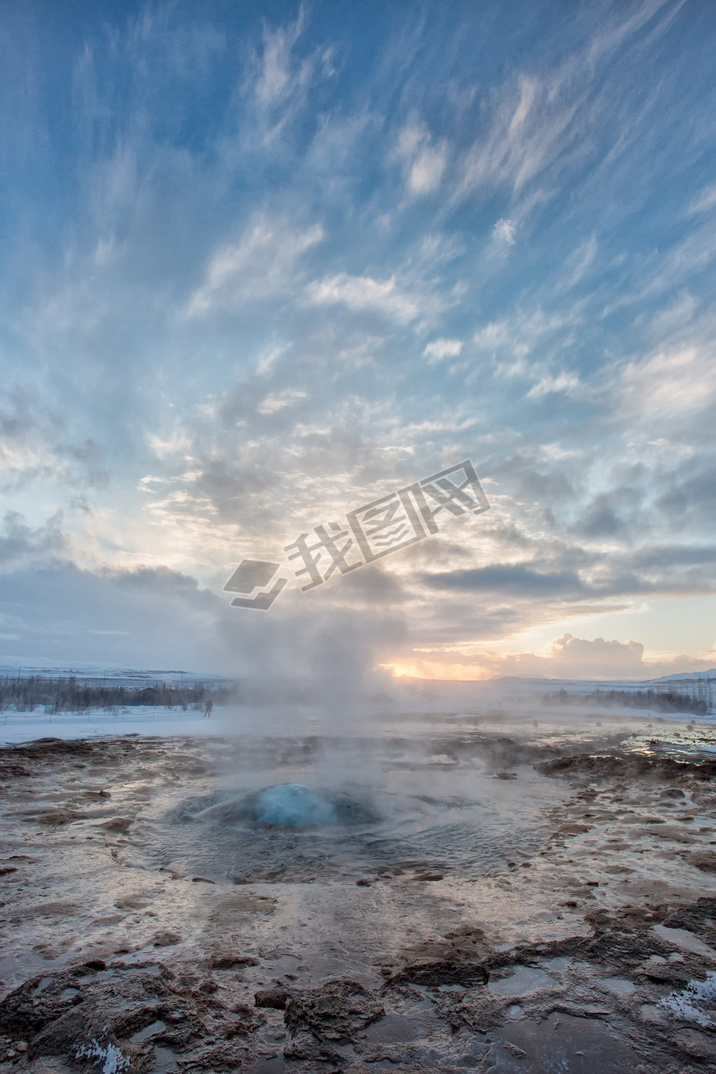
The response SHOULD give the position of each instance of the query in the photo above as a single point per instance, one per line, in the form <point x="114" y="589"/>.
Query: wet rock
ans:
<point x="696" y="1044"/>
<point x="49" y="1065"/>
<point x="306" y="1046"/>
<point x="335" y="1011"/>
<point x="118" y="824"/>
<point x="574" y="829"/>
<point x="430" y="876"/>
<point x="705" y="860"/>
<point x="233" y="962"/>
<point x="627" y="766"/>
<point x="108" y="1008"/>
<point x="272" y="997"/>
<point x="57" y="817"/>
<point x="133" y="902"/>
<point x="440" y="971"/>
<point x="426" y="961"/>
<point x="476" y="1010"/>
<point x="166" y="939"/>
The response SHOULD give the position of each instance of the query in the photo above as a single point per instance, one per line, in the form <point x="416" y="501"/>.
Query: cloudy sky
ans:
<point x="265" y="262"/>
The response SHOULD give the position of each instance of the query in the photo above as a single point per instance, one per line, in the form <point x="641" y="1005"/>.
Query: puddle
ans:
<point x="560" y="1044"/>
<point x="618" y="985"/>
<point x="149" y="1031"/>
<point x="524" y="980"/>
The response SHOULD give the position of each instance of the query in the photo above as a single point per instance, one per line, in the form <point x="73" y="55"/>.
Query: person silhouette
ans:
<point x="208" y="707"/>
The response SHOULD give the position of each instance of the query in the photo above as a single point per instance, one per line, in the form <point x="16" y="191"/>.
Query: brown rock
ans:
<point x="333" y="1012"/>
<point x="117" y="824"/>
<point x="705" y="860"/>
<point x="696" y="1044"/>
<point x="166" y="939"/>
<point x="231" y="962"/>
<point x="272" y="997"/>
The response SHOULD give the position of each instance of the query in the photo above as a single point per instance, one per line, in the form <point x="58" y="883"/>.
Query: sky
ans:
<point x="263" y="263"/>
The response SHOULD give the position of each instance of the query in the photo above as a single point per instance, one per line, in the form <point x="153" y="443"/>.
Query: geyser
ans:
<point x="288" y="805"/>
<point x="292" y="805"/>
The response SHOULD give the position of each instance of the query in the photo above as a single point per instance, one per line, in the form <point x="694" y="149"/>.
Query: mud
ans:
<point x="128" y="944"/>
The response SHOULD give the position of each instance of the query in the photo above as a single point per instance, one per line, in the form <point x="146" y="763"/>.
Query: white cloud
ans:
<point x="261" y="263"/>
<point x="530" y="130"/>
<point x="268" y="359"/>
<point x="423" y="162"/>
<point x="276" y="401"/>
<point x="504" y="232"/>
<point x="443" y="348"/>
<point x="579" y="262"/>
<point x="363" y="293"/>
<point x="563" y="382"/>
<point x="671" y="382"/>
<point x="427" y="170"/>
<point x="704" y="200"/>
<point x="279" y="76"/>
<point x="282" y="78"/>
<point x="537" y="124"/>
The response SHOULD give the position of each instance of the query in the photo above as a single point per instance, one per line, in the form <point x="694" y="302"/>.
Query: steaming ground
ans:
<point x="441" y="892"/>
<point x="403" y="807"/>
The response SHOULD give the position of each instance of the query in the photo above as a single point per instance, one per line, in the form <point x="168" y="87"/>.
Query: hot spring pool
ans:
<point x="409" y="812"/>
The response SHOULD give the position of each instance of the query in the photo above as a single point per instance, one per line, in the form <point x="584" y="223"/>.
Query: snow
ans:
<point x="114" y="1060"/>
<point x="138" y="720"/>
<point x="685" y="1005"/>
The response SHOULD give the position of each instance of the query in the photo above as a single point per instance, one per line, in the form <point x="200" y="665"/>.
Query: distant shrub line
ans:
<point x="72" y="695"/>
<point x="660" y="701"/>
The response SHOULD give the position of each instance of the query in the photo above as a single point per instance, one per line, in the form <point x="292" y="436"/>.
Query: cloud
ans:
<point x="510" y="578"/>
<point x="259" y="266"/>
<point x="704" y="201"/>
<point x="362" y="294"/>
<point x="281" y="75"/>
<point x="423" y="162"/>
<point x="21" y="544"/>
<point x="668" y="383"/>
<point x="530" y="130"/>
<point x="581" y="658"/>
<point x="504" y="233"/>
<point x="443" y="348"/>
<point x="568" y="657"/>
<point x="280" y="283"/>
<point x="562" y="382"/>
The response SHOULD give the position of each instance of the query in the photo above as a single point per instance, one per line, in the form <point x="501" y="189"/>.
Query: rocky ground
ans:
<point x="596" y="953"/>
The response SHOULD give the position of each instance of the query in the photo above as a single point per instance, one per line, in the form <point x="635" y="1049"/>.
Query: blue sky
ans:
<point x="264" y="262"/>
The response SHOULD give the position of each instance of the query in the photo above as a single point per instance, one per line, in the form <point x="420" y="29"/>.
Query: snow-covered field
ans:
<point x="282" y="720"/>
<point x="140" y="720"/>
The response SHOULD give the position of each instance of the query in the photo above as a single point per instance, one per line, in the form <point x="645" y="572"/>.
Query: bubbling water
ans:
<point x="291" y="805"/>
<point x="434" y="811"/>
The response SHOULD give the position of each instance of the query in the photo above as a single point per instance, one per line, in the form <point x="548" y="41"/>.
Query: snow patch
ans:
<point x="684" y="1004"/>
<point x="114" y="1059"/>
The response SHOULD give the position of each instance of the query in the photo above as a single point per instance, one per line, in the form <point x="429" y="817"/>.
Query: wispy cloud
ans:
<point x="262" y="267"/>
<point x="423" y="160"/>
<point x="364" y="294"/>
<point x="259" y="265"/>
<point x="443" y="348"/>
